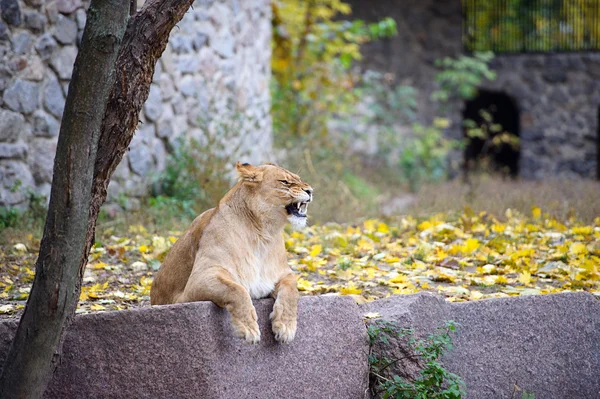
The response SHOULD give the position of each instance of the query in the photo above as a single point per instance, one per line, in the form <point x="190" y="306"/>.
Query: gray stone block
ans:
<point x="5" y="77"/>
<point x="13" y="150"/>
<point x="52" y="11"/>
<point x="181" y="44"/>
<point x="224" y="46"/>
<point x="54" y="99"/>
<point x="62" y="61"/>
<point x="188" y="351"/>
<point x="44" y="124"/>
<point x="45" y="46"/>
<point x="68" y="6"/>
<point x="4" y="33"/>
<point x="11" y="125"/>
<point x="65" y="30"/>
<point x="23" y="96"/>
<point x="33" y="3"/>
<point x="13" y="174"/>
<point x="35" y="70"/>
<point x="548" y="345"/>
<point x="22" y="42"/>
<point x="81" y="18"/>
<point x="140" y="159"/>
<point x="189" y="63"/>
<point x="200" y="40"/>
<point x="11" y="12"/>
<point x="153" y="106"/>
<point x="41" y="159"/>
<point x="35" y="21"/>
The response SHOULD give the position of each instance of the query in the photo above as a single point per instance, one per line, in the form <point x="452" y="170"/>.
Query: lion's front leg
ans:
<point x="285" y="310"/>
<point x="217" y="285"/>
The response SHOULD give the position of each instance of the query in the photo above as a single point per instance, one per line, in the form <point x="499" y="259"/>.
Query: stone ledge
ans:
<point x="188" y="351"/>
<point x="548" y="345"/>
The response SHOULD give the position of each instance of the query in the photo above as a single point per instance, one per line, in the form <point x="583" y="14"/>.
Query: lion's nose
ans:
<point x="308" y="191"/>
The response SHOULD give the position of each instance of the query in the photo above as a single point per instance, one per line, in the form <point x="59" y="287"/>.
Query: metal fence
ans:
<point x="516" y="26"/>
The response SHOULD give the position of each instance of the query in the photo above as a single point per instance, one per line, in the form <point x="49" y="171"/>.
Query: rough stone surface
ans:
<point x="548" y="345"/>
<point x="140" y="159"/>
<point x="54" y="99"/>
<point x="35" y="21"/>
<point x="46" y="45"/>
<point x="3" y="31"/>
<point x="65" y="30"/>
<point x="11" y="125"/>
<point x="153" y="106"/>
<point x="68" y="6"/>
<point x="14" y="173"/>
<point x="81" y="18"/>
<point x="23" y="96"/>
<point x="5" y="77"/>
<point x="208" y="68"/>
<point x="13" y="150"/>
<point x="43" y="162"/>
<point x="21" y="43"/>
<point x="11" y="12"/>
<point x="188" y="351"/>
<point x="44" y="124"/>
<point x="62" y="61"/>
<point x="33" y="3"/>
<point x="35" y="69"/>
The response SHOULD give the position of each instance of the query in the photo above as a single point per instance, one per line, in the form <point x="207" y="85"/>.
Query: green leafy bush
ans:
<point x="432" y="380"/>
<point x="461" y="77"/>
<point x="31" y="219"/>
<point x="9" y="217"/>
<point x="424" y="155"/>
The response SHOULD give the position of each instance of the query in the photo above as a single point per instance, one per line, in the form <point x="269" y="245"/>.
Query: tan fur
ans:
<point x="235" y="252"/>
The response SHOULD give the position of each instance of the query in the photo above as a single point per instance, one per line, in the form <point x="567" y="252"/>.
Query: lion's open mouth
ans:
<point x="297" y="209"/>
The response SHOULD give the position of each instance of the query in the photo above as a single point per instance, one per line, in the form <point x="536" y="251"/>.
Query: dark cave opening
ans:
<point x="492" y="132"/>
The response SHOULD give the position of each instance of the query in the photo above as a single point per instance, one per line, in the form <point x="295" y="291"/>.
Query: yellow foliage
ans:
<point x="316" y="250"/>
<point x="366" y="260"/>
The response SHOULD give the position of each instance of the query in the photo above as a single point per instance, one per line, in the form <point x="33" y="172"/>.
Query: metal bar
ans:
<point x="531" y="26"/>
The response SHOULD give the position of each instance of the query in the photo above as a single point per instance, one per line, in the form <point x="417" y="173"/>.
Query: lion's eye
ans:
<point x="287" y="183"/>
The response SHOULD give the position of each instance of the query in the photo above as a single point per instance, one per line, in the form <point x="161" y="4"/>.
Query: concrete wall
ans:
<point x="558" y="95"/>
<point x="217" y="63"/>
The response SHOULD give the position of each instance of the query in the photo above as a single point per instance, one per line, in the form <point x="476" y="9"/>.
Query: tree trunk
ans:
<point x="54" y="295"/>
<point x="83" y="166"/>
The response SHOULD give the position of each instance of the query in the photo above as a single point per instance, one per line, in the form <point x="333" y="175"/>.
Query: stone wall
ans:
<point x="558" y="97"/>
<point x="217" y="63"/>
<point x="557" y="94"/>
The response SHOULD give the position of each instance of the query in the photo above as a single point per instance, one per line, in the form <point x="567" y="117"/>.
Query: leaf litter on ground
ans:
<point x="463" y="257"/>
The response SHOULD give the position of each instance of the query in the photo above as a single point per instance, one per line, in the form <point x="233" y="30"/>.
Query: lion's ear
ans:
<point x="249" y="173"/>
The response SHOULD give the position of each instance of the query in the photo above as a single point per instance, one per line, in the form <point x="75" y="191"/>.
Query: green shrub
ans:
<point x="14" y="221"/>
<point x="461" y="77"/>
<point x="432" y="380"/>
<point x="424" y="155"/>
<point x="9" y="217"/>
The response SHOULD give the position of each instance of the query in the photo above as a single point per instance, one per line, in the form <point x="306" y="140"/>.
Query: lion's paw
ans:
<point x="248" y="330"/>
<point x="284" y="328"/>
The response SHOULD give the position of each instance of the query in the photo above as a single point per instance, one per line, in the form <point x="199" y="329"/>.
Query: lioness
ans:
<point x="235" y="252"/>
